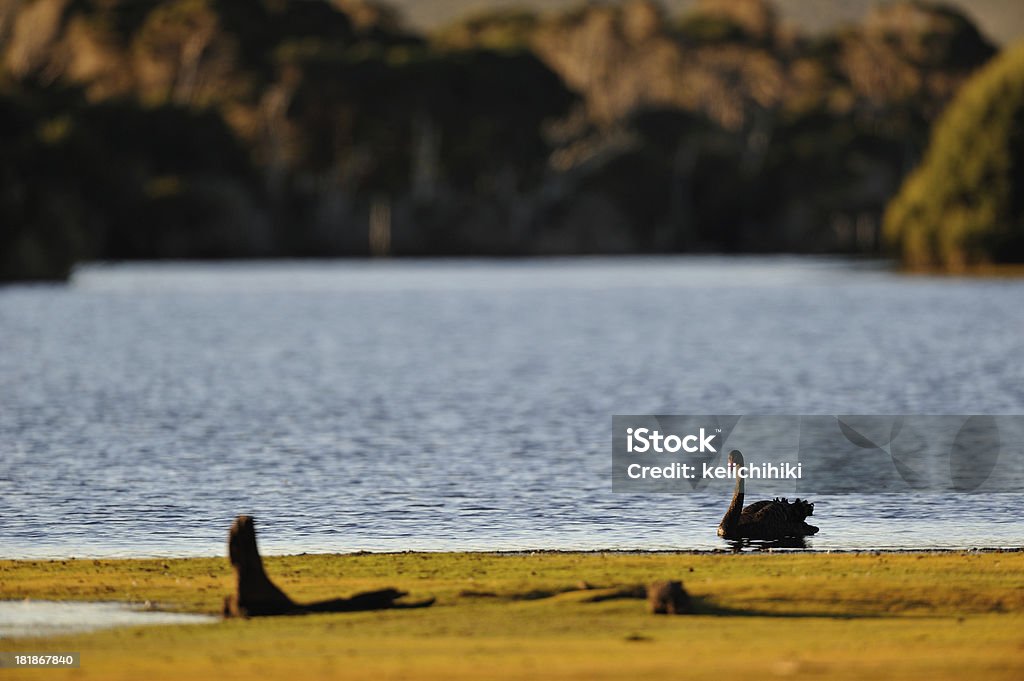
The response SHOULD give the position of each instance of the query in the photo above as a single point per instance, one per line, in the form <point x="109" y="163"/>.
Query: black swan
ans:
<point x="776" y="519"/>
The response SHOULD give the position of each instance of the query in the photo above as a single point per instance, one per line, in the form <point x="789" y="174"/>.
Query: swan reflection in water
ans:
<point x="768" y="544"/>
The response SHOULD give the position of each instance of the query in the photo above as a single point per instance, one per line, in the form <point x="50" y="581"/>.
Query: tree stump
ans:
<point x="255" y="595"/>
<point x="668" y="598"/>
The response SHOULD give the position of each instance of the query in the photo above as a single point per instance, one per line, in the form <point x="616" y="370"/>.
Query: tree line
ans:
<point x="218" y="129"/>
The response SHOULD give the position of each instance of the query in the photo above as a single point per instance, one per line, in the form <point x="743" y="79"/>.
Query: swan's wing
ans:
<point x="753" y="508"/>
<point x="775" y="519"/>
<point x="781" y="511"/>
<point x="797" y="510"/>
<point x="768" y="512"/>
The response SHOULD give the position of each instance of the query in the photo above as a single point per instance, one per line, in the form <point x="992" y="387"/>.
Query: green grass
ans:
<point x="899" y="616"/>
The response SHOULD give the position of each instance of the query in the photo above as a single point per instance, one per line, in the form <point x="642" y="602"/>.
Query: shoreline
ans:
<point x="745" y="550"/>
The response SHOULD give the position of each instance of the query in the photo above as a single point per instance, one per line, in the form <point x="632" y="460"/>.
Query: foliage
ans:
<point x="963" y="206"/>
<point x="115" y="180"/>
<point x="703" y="29"/>
<point x="216" y="128"/>
<point x="501" y="29"/>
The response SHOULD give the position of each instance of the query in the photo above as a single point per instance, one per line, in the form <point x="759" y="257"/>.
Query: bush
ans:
<point x="963" y="205"/>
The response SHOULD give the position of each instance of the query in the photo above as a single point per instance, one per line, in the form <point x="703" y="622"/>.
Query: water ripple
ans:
<point x="442" y="405"/>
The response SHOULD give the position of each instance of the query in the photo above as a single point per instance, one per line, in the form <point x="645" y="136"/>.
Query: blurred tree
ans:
<point x="444" y="129"/>
<point x="964" y="205"/>
<point x="45" y="225"/>
<point x="219" y="128"/>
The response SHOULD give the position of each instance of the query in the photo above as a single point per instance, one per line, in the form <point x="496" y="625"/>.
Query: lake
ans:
<point x="448" y="405"/>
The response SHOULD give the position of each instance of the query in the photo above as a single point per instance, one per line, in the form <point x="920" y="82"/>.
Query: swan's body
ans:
<point x="776" y="519"/>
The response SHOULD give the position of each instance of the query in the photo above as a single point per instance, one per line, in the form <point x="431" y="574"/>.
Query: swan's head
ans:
<point x="735" y="458"/>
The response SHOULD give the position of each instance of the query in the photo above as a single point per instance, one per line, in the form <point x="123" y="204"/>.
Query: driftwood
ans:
<point x="668" y="598"/>
<point x="256" y="595"/>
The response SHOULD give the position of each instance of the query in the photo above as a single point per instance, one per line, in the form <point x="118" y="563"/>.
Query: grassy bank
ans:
<point x="898" y="616"/>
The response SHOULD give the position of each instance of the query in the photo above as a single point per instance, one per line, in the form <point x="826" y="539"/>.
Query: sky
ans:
<point x="1001" y="20"/>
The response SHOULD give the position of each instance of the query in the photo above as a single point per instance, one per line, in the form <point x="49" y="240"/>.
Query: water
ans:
<point x="464" y="405"/>
<point x="53" y="618"/>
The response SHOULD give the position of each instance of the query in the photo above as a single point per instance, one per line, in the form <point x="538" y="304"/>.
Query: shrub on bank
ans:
<point x="963" y="206"/>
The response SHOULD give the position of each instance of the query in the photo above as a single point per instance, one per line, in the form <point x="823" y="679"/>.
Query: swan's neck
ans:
<point x="732" y="516"/>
